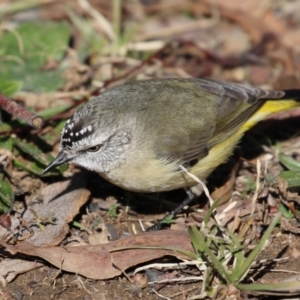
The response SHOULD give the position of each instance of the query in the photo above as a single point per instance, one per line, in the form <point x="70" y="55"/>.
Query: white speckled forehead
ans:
<point x="74" y="131"/>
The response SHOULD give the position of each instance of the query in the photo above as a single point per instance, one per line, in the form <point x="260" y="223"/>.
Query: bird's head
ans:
<point x="93" y="138"/>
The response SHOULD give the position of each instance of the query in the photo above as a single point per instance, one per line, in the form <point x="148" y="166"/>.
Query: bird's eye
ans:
<point x="94" y="148"/>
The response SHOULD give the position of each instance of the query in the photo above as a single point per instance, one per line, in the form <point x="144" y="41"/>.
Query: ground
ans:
<point x="72" y="235"/>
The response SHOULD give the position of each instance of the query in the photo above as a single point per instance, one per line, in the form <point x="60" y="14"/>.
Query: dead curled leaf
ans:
<point x="104" y="261"/>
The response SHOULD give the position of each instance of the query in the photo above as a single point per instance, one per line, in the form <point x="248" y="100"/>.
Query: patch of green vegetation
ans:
<point x="113" y="211"/>
<point x="292" y="176"/>
<point x="226" y="261"/>
<point x="25" y="50"/>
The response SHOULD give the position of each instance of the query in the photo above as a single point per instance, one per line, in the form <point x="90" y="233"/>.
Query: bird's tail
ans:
<point x="291" y="99"/>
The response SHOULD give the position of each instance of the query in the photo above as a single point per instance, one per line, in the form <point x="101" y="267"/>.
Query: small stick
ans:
<point x="20" y="112"/>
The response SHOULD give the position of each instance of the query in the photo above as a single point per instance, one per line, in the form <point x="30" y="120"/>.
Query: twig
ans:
<point x="205" y="189"/>
<point x="20" y="112"/>
<point x="168" y="265"/>
<point x="181" y="279"/>
<point x="257" y="186"/>
<point x="160" y="295"/>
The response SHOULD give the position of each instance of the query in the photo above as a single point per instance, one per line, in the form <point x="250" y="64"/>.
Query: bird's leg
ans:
<point x="192" y="193"/>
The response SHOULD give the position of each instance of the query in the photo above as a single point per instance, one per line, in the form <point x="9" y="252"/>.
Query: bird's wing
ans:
<point x="234" y="106"/>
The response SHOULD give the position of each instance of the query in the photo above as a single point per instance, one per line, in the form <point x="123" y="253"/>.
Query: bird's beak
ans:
<point x="61" y="158"/>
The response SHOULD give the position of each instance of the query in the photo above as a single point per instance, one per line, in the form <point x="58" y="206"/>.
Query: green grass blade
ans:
<point x="199" y="243"/>
<point x="289" y="162"/>
<point x="241" y="272"/>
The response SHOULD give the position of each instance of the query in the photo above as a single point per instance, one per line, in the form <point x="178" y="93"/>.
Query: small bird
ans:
<point x="137" y="135"/>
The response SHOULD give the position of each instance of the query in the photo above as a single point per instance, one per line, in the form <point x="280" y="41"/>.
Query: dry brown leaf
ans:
<point x="259" y="75"/>
<point x="101" y="261"/>
<point x="243" y="207"/>
<point x="10" y="268"/>
<point x="290" y="226"/>
<point x="252" y="15"/>
<point x="60" y="202"/>
<point x="224" y="192"/>
<point x="48" y="213"/>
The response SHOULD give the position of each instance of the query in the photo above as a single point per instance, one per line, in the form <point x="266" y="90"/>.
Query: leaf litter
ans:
<point x="67" y="224"/>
